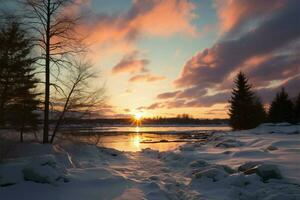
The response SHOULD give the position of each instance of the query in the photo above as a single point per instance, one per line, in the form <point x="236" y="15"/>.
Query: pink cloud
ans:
<point x="268" y="40"/>
<point x="261" y="38"/>
<point x="131" y="64"/>
<point x="146" y="77"/>
<point x="117" y="33"/>
<point x="234" y="13"/>
<point x="164" y="18"/>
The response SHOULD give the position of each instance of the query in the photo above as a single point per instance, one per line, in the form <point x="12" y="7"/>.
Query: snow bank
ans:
<point x="280" y="128"/>
<point x="261" y="163"/>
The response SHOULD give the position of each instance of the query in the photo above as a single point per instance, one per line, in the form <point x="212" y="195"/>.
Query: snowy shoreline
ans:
<point x="261" y="163"/>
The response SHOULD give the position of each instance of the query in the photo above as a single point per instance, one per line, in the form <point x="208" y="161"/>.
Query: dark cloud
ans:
<point x="167" y="95"/>
<point x="275" y="68"/>
<point x="291" y="86"/>
<point x="192" y="92"/>
<point x="201" y="101"/>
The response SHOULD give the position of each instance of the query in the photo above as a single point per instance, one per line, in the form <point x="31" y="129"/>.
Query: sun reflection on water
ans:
<point x="136" y="141"/>
<point x="137" y="129"/>
<point x="137" y="138"/>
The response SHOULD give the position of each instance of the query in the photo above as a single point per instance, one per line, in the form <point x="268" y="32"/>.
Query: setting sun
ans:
<point x="138" y="116"/>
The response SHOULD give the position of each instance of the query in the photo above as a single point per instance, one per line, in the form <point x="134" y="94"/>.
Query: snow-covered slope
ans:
<point x="261" y="163"/>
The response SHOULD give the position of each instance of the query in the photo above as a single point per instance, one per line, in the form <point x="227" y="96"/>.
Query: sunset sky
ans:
<point x="165" y="57"/>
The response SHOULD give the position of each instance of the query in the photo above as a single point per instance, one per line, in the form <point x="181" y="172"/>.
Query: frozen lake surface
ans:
<point x="131" y="138"/>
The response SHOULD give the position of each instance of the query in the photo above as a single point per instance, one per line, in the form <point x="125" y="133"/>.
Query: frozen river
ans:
<point x="162" y="138"/>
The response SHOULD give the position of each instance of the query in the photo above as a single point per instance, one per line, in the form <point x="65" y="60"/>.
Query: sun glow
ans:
<point x="138" y="116"/>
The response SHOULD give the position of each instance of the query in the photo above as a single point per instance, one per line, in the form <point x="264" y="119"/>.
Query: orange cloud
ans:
<point x="165" y="17"/>
<point x="146" y="77"/>
<point x="117" y="33"/>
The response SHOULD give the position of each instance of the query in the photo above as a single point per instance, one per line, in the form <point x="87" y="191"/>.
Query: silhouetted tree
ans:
<point x="281" y="109"/>
<point x="11" y="58"/>
<point x="54" y="27"/>
<point x="297" y="110"/>
<point x="78" y="96"/>
<point x="246" y="110"/>
<point x="6" y="74"/>
<point x="260" y="112"/>
<point x="24" y="117"/>
<point x="18" y="101"/>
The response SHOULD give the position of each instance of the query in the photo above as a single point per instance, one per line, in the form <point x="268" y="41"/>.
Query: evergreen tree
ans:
<point x="297" y="110"/>
<point x="281" y="109"/>
<point x="18" y="100"/>
<point x="260" y="112"/>
<point x="23" y="116"/>
<point x="6" y="74"/>
<point x="246" y="110"/>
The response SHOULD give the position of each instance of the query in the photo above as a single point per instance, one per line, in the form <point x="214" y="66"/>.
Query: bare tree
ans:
<point x="55" y="30"/>
<point x="78" y="96"/>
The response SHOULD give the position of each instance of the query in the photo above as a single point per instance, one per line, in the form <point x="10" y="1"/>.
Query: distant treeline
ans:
<point x="148" y="121"/>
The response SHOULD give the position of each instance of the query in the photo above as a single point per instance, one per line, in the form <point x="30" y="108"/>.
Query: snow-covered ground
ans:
<point x="262" y="163"/>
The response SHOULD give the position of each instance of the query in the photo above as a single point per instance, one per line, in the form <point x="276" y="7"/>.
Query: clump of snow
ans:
<point x="229" y="143"/>
<point x="214" y="174"/>
<point x="280" y="128"/>
<point x="151" y="153"/>
<point x="238" y="180"/>
<point x="44" y="170"/>
<point x="198" y="163"/>
<point x="272" y="148"/>
<point x="248" y="165"/>
<point x="268" y="171"/>
<point x="191" y="146"/>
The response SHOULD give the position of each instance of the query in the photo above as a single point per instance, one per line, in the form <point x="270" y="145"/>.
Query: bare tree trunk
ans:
<point x="47" y="78"/>
<point x="79" y="95"/>
<point x="21" y="135"/>
<point x="49" y="22"/>
<point x="23" y="124"/>
<point x="62" y="114"/>
<point x="3" y="97"/>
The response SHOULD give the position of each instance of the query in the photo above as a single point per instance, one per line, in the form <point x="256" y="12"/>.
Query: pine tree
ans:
<point x="24" y="118"/>
<point x="260" y="112"/>
<point x="246" y="110"/>
<point x="297" y="110"/>
<point x="18" y="101"/>
<point x="281" y="109"/>
<point x="6" y="74"/>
